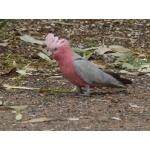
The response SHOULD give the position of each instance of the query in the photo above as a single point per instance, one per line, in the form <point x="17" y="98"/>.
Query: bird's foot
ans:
<point x="82" y="92"/>
<point x="87" y="92"/>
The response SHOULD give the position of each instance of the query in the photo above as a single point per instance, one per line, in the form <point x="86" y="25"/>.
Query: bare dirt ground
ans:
<point x="48" y="109"/>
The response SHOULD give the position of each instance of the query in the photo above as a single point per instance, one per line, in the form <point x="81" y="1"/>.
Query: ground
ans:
<point x="53" y="107"/>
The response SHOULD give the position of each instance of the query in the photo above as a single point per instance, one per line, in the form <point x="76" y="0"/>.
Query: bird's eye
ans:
<point x="55" y="49"/>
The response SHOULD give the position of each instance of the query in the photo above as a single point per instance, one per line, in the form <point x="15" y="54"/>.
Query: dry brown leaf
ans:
<point x="21" y="107"/>
<point x="118" y="48"/>
<point x="73" y="119"/>
<point x="133" y="105"/>
<point x="28" y="38"/>
<point x="144" y="68"/>
<point x="23" y="72"/>
<point x="19" y="87"/>
<point x="42" y="119"/>
<point x="102" y="50"/>
<point x="127" y="72"/>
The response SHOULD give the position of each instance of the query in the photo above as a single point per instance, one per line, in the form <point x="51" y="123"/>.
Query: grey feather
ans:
<point x="93" y="75"/>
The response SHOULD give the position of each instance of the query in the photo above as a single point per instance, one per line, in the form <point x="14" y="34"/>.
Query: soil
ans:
<point x="52" y="109"/>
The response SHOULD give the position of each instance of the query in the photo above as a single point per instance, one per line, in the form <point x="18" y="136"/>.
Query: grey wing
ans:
<point x="93" y="75"/>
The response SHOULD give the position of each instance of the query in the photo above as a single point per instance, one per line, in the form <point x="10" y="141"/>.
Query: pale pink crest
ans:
<point x="49" y="39"/>
<point x="54" y="42"/>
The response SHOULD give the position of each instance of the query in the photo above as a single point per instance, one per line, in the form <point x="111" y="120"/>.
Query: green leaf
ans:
<point x="78" y="50"/>
<point x="128" y="66"/>
<point x="125" y="56"/>
<point x="89" y="55"/>
<point x="81" y="51"/>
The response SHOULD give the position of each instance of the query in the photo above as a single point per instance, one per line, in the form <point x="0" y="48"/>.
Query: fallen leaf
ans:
<point x="19" y="117"/>
<point x="137" y="108"/>
<point x="27" y="68"/>
<point x="28" y="38"/>
<point x="127" y="72"/>
<point x="115" y="118"/>
<point x="42" y="119"/>
<point x="73" y="119"/>
<point x="5" y="107"/>
<point x="23" y="72"/>
<point x="88" y="55"/>
<point x="44" y="56"/>
<point x="21" y="107"/>
<point x="133" y="105"/>
<point x="102" y="50"/>
<point x="118" y="48"/>
<point x="81" y="51"/>
<point x="117" y="54"/>
<point x="128" y="66"/>
<point x="19" y="87"/>
<point x="125" y="56"/>
<point x="144" y="68"/>
<point x="55" y="77"/>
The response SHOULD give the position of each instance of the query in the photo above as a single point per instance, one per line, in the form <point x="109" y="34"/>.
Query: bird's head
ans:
<point x="55" y="45"/>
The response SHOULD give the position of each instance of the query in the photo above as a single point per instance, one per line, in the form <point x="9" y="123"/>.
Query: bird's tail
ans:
<point x="117" y="76"/>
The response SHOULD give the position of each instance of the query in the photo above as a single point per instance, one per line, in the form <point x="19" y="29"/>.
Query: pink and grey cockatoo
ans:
<point x="78" y="70"/>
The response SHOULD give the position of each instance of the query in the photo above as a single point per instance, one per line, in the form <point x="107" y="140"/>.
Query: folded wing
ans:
<point x="94" y="76"/>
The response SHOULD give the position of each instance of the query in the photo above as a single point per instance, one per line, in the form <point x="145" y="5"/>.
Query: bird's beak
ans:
<point x="47" y="52"/>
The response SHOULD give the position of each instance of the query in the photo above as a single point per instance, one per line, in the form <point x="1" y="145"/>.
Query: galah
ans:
<point x="78" y="70"/>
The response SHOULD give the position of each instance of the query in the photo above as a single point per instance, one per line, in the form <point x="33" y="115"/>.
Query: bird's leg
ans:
<point x="78" y="89"/>
<point x="88" y="91"/>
